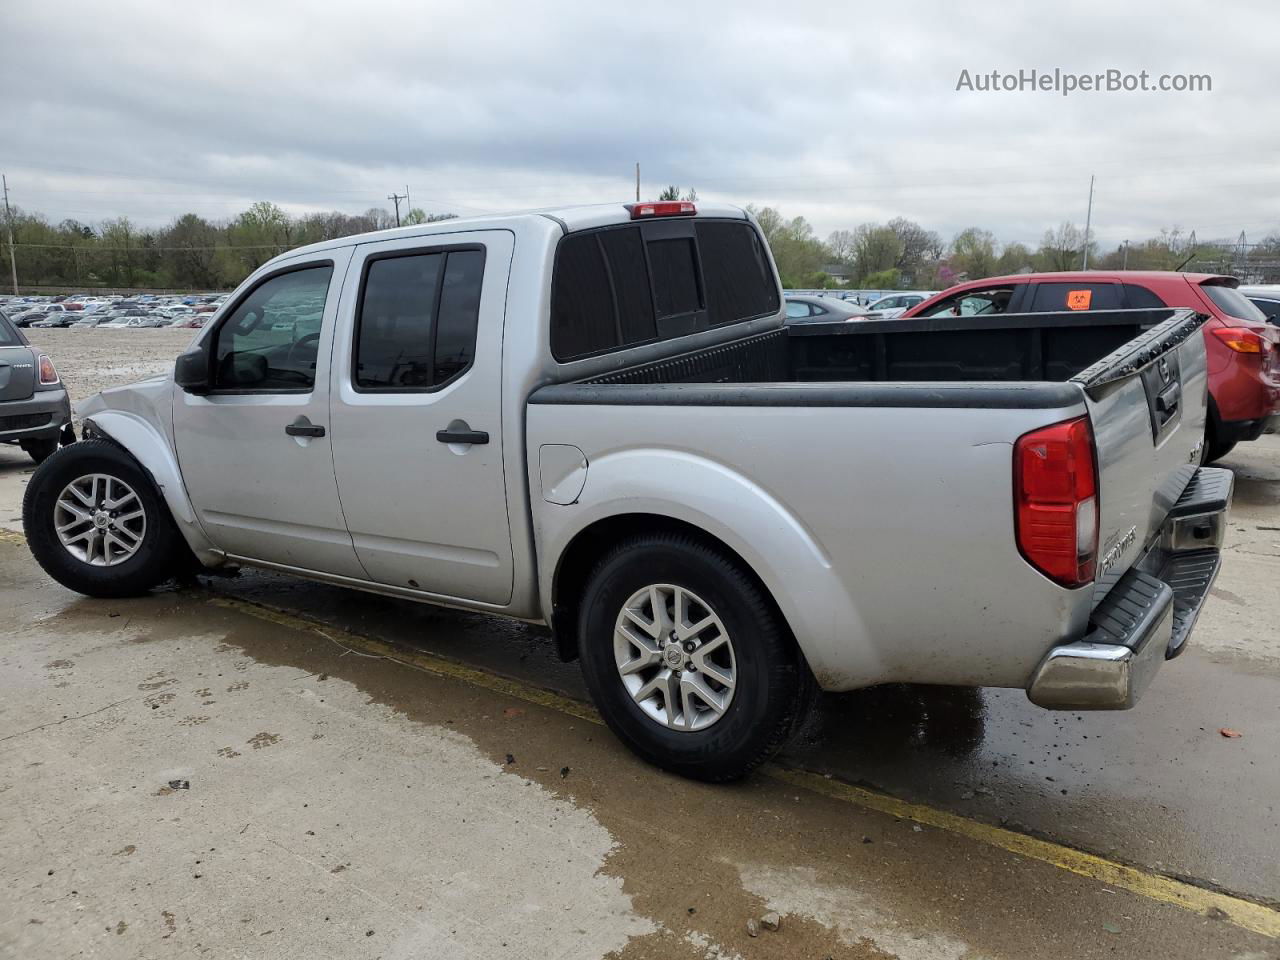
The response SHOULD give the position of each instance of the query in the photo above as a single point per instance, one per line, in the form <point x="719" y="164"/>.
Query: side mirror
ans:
<point x="191" y="371"/>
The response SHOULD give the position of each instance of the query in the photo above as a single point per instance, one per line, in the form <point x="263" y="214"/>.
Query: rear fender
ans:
<point x="727" y="505"/>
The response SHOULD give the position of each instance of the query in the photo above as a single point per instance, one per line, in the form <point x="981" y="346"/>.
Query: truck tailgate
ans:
<point x="1147" y="403"/>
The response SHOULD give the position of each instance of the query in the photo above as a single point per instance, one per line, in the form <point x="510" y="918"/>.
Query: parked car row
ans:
<point x="813" y="306"/>
<point x="112" y="312"/>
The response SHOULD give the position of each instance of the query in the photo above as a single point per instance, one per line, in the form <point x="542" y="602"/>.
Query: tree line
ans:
<point x="903" y="255"/>
<point x="200" y="254"/>
<point x="190" y="253"/>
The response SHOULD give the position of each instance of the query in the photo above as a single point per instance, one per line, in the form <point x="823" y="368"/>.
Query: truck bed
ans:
<point x="1030" y="347"/>
<point x="881" y="453"/>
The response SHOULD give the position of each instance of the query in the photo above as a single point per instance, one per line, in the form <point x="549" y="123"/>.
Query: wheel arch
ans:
<point x="576" y="561"/>
<point x="149" y="449"/>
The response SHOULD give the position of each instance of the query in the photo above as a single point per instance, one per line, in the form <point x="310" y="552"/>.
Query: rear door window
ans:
<point x="416" y="325"/>
<point x="1052" y="297"/>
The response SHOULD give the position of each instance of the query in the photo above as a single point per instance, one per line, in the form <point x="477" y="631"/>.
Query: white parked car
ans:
<point x="896" y="304"/>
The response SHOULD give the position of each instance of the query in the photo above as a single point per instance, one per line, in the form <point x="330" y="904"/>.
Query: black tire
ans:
<point x="39" y="450"/>
<point x="774" y="687"/>
<point x="1215" y="449"/>
<point x="159" y="554"/>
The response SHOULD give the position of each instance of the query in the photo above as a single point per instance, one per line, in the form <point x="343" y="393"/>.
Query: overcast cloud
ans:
<point x="842" y="113"/>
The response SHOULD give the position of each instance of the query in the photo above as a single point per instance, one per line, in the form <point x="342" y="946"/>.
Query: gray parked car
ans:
<point x="802" y="308"/>
<point x="1266" y="299"/>
<point x="34" y="410"/>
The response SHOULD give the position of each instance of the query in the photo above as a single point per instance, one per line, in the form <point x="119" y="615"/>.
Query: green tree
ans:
<point x="882" y="279"/>
<point x="1062" y="248"/>
<point x="973" y="253"/>
<point x="875" y="248"/>
<point x="1015" y="258"/>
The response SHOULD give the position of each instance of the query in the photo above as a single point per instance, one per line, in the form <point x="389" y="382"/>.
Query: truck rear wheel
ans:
<point x="96" y="524"/>
<point x="687" y="659"/>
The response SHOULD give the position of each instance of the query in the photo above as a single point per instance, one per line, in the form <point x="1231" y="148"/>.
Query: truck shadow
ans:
<point x="883" y="724"/>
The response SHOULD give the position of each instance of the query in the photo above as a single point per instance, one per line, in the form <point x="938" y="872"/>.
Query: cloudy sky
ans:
<point x="841" y="113"/>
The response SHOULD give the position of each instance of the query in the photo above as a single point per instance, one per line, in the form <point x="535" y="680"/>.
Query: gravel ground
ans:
<point x="92" y="360"/>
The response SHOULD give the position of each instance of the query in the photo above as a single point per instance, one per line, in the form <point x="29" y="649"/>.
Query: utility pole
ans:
<point x="1125" y="264"/>
<point x="637" y="181"/>
<point x="396" y="198"/>
<point x="408" y="205"/>
<point x="1088" y="219"/>
<point x="8" y="219"/>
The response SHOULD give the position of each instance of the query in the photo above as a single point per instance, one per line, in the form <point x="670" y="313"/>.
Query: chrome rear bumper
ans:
<point x="1148" y="615"/>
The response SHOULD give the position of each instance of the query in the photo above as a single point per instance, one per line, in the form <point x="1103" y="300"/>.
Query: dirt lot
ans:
<point x="91" y="360"/>
<point x="263" y="767"/>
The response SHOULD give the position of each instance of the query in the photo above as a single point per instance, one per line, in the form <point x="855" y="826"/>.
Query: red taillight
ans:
<point x="1056" y="501"/>
<point x="661" y="208"/>
<point x="1242" y="339"/>
<point x="47" y="372"/>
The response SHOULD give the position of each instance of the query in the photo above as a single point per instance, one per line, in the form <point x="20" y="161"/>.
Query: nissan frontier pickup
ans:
<point x="596" y="418"/>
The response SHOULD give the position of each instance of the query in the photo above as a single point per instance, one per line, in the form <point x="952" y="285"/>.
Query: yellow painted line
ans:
<point x="1154" y="886"/>
<point x="436" y="666"/>
<point x="1251" y="916"/>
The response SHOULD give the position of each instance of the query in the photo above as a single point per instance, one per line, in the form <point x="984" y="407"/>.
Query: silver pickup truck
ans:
<point x="596" y="418"/>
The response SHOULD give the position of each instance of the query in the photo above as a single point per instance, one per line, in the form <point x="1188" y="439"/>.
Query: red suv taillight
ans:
<point x="1056" y="501"/>
<point x="1242" y="339"/>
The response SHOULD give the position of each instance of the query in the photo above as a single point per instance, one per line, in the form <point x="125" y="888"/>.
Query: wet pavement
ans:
<point x="1157" y="786"/>
<point x="652" y="866"/>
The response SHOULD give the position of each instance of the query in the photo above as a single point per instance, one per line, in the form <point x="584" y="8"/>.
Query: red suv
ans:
<point x="1243" y="349"/>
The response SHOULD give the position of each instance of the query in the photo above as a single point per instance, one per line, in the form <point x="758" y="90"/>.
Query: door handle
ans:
<point x="460" y="432"/>
<point x="304" y="429"/>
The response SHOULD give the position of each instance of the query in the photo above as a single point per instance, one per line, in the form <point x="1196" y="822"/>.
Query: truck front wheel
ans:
<point x="96" y="524"/>
<point x="687" y="659"/>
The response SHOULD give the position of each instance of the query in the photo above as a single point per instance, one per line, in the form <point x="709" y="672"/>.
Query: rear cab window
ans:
<point x="622" y="286"/>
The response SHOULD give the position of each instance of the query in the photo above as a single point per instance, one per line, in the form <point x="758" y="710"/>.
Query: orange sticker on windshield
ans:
<point x="1079" y="299"/>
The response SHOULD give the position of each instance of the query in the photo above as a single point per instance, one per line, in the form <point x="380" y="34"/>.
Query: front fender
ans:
<point x="146" y="444"/>
<point x="747" y="518"/>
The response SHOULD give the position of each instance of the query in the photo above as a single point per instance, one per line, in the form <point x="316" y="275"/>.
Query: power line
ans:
<point x="97" y="245"/>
